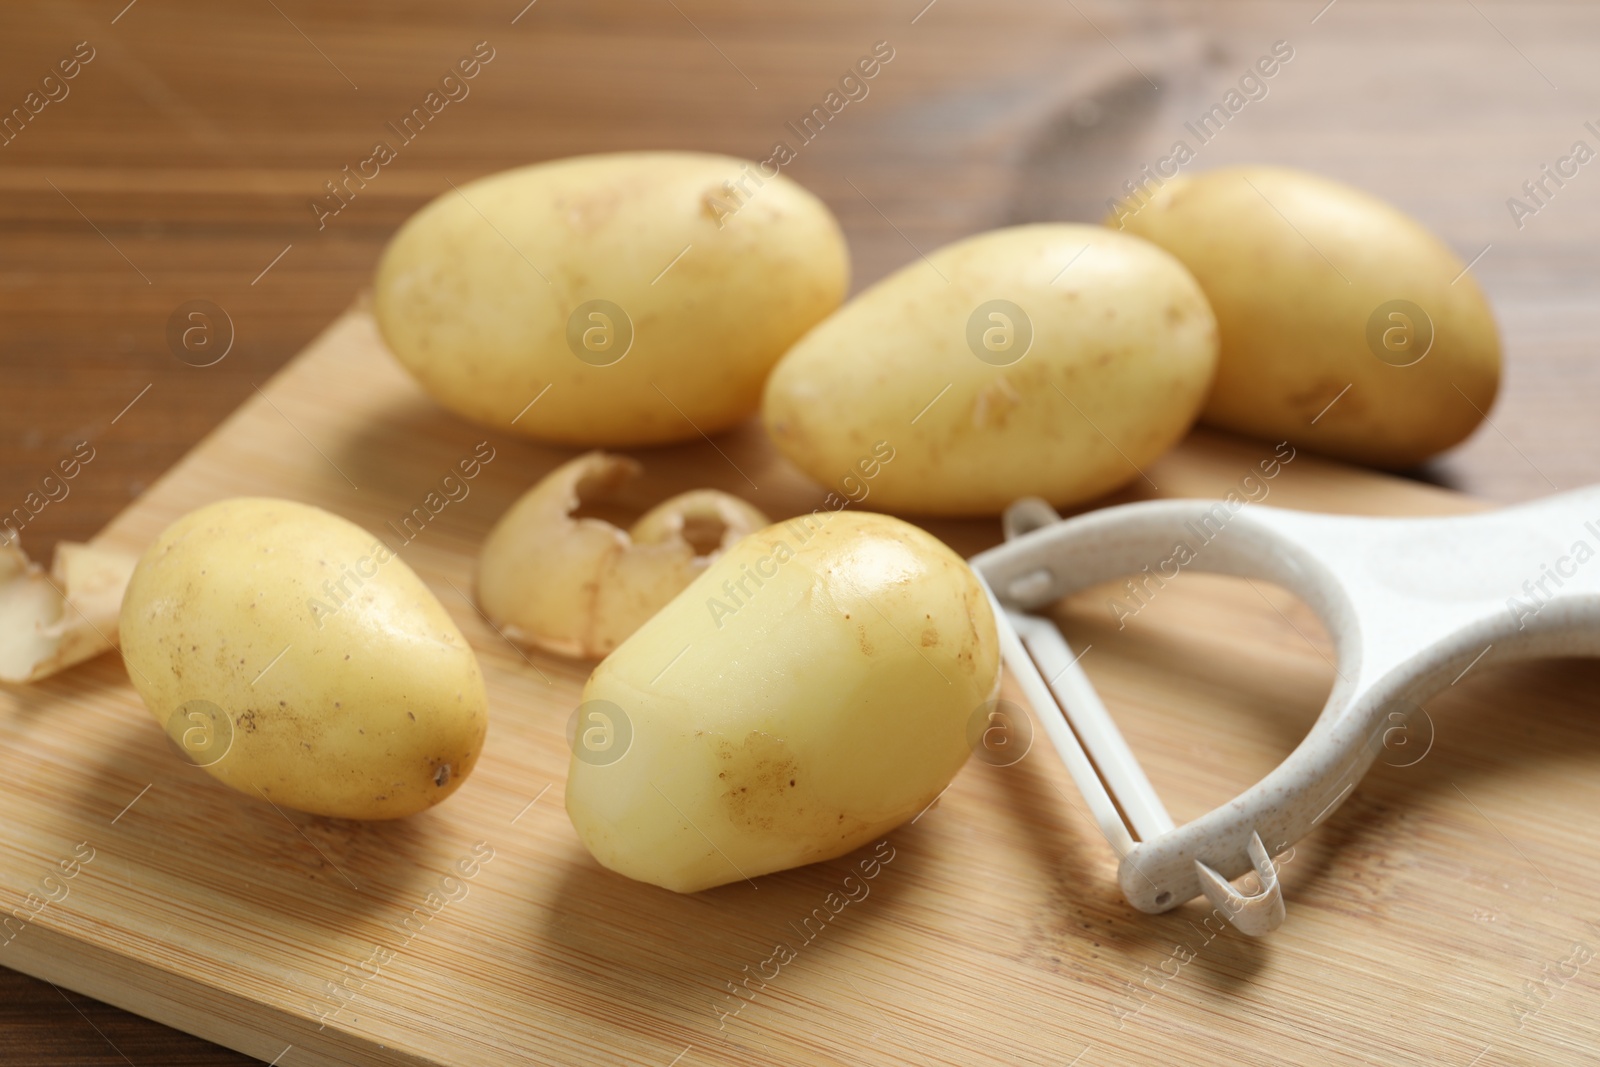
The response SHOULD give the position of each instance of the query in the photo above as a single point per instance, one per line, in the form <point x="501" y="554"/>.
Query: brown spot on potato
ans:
<point x="757" y="769"/>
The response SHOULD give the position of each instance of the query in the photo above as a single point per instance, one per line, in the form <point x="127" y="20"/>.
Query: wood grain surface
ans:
<point x="182" y="165"/>
<point x="995" y="933"/>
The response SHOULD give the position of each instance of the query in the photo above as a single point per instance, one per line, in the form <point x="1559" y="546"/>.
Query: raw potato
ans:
<point x="1302" y="314"/>
<point x="293" y="656"/>
<point x="808" y="692"/>
<point x="50" y="624"/>
<point x="484" y="294"/>
<point x="1122" y="351"/>
<point x="580" y="586"/>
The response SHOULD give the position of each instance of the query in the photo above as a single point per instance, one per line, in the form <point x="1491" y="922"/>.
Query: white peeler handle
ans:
<point x="1409" y="603"/>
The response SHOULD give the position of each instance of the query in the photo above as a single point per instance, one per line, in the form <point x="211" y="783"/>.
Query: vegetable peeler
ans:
<point x="1410" y="603"/>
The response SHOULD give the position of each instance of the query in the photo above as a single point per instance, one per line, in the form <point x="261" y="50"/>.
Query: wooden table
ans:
<point x="183" y="159"/>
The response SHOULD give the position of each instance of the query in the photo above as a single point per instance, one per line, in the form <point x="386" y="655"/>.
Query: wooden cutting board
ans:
<point x="1440" y="916"/>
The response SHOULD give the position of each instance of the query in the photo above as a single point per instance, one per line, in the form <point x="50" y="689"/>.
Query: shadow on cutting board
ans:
<point x="636" y="949"/>
<point x="181" y="827"/>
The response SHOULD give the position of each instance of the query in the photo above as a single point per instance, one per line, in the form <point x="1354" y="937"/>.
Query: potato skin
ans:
<point x="1122" y="354"/>
<point x="579" y="587"/>
<point x="799" y="718"/>
<point x="461" y="301"/>
<point x="379" y="712"/>
<point x="1294" y="325"/>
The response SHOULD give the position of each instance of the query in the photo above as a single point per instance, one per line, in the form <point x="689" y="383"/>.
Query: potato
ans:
<point x="1052" y="361"/>
<point x="1346" y="327"/>
<point x="296" y="658"/>
<point x="811" y="690"/>
<point x="649" y="292"/>
<point x="580" y="586"/>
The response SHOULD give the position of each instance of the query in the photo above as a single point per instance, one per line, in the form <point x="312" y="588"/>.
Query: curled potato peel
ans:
<point x="48" y="624"/>
<point x="577" y="585"/>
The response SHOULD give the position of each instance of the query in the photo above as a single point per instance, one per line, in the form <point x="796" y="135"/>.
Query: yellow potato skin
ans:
<point x="829" y="705"/>
<point x="378" y="712"/>
<point x="474" y="293"/>
<point x="1293" y="307"/>
<point x="1123" y="349"/>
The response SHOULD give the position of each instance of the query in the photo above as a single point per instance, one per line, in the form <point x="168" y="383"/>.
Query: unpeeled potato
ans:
<point x="1346" y="326"/>
<point x="648" y="292"/>
<point x="1053" y="361"/>
<point x="298" y="660"/>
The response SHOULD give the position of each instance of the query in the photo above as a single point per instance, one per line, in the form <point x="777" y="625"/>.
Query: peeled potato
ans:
<point x="1052" y="361"/>
<point x="296" y="659"/>
<point x="649" y="292"/>
<point x="1346" y="326"/>
<point x="580" y="586"/>
<point x="811" y="690"/>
